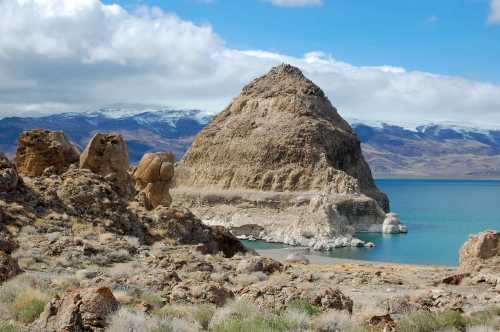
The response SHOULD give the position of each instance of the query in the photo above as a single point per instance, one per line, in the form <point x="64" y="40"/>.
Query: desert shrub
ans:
<point x="134" y="321"/>
<point x="7" y="327"/>
<point x="482" y="328"/>
<point x="28" y="306"/>
<point x="423" y="321"/>
<point x="203" y="314"/>
<point x="333" y="321"/>
<point x="487" y="317"/>
<point x="305" y="306"/>
<point x="153" y="299"/>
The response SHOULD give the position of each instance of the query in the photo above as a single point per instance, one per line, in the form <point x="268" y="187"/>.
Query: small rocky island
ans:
<point x="89" y="243"/>
<point x="280" y="164"/>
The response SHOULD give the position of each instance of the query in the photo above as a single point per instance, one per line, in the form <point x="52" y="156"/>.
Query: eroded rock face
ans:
<point x="481" y="251"/>
<point x="107" y="155"/>
<point x="39" y="149"/>
<point x="280" y="134"/>
<point x="152" y="179"/>
<point x="81" y="310"/>
<point x="8" y="175"/>
<point x="182" y="227"/>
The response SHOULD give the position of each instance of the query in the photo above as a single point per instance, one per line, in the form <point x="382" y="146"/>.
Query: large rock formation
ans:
<point x="152" y="179"/>
<point x="39" y="150"/>
<point x="481" y="251"/>
<point x="107" y="155"/>
<point x="282" y="158"/>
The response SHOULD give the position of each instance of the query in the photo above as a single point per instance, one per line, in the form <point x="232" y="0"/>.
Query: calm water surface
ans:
<point x="440" y="215"/>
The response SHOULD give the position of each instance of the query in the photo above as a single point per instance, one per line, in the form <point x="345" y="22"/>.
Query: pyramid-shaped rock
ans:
<point x="281" y="134"/>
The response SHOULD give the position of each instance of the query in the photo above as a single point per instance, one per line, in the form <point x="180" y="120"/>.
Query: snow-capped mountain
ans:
<point x="433" y="149"/>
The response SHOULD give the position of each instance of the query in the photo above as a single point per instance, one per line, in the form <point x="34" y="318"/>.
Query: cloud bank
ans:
<point x="70" y="55"/>
<point x="494" y="12"/>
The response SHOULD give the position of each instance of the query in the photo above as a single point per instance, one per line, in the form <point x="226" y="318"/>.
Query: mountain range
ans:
<point x="392" y="150"/>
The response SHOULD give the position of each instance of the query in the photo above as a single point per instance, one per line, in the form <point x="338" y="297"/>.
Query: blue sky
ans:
<point x="449" y="37"/>
<point x="402" y="61"/>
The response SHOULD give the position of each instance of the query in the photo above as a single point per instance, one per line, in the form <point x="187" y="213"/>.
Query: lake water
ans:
<point x="440" y="215"/>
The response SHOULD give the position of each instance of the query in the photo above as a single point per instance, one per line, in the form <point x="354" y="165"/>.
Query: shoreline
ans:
<point x="282" y="253"/>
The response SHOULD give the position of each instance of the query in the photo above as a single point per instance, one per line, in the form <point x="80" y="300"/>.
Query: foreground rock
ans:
<point x="40" y="151"/>
<point x="280" y="157"/>
<point x="81" y="310"/>
<point x="107" y="155"/>
<point x="153" y="178"/>
<point x="9" y="267"/>
<point x="481" y="251"/>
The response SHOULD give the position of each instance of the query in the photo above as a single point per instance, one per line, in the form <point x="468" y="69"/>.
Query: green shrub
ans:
<point x="203" y="314"/>
<point x="305" y="306"/>
<point x="424" y="321"/>
<point x="28" y="306"/>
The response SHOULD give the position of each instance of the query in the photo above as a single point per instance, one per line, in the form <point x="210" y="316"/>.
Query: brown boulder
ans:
<point x="40" y="149"/>
<point x="8" y="174"/>
<point x="107" y="155"/>
<point x="481" y="251"/>
<point x="81" y="310"/>
<point x="192" y="292"/>
<point x="9" y="267"/>
<point x="152" y="178"/>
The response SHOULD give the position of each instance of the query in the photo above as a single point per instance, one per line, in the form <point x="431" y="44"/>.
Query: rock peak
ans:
<point x="282" y="80"/>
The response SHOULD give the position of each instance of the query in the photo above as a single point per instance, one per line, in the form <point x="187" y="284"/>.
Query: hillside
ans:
<point x="437" y="150"/>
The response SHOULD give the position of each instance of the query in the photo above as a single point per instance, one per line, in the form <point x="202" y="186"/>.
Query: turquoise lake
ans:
<point x="440" y="215"/>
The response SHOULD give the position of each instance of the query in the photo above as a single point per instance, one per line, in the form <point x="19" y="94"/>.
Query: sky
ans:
<point x="385" y="60"/>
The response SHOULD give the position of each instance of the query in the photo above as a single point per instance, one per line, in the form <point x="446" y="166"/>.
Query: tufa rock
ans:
<point x="8" y="175"/>
<point x="40" y="149"/>
<point x="107" y="155"/>
<point x="81" y="310"/>
<point x="281" y="134"/>
<point x="152" y="179"/>
<point x="481" y="251"/>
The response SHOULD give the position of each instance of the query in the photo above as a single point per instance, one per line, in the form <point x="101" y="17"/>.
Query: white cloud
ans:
<point x="58" y="55"/>
<point x="295" y="3"/>
<point x="494" y="12"/>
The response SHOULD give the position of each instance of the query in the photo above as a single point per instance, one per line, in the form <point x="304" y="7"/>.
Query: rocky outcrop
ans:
<point x="282" y="159"/>
<point x="182" y="227"/>
<point x="152" y="179"/>
<point x="280" y="134"/>
<point x="40" y="151"/>
<point x="481" y="251"/>
<point x="8" y="175"/>
<point x="81" y="310"/>
<point x="107" y="155"/>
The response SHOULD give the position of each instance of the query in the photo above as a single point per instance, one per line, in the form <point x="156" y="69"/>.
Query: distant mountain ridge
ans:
<point x="392" y="150"/>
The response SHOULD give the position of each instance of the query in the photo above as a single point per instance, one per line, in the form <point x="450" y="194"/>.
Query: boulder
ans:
<point x="296" y="258"/>
<point x="8" y="175"/>
<point x="182" y="227"/>
<point x="481" y="251"/>
<point x="153" y="178"/>
<point x="196" y="293"/>
<point x="107" y="155"/>
<point x="9" y="267"/>
<point x="83" y="192"/>
<point x="81" y="310"/>
<point x="40" y="149"/>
